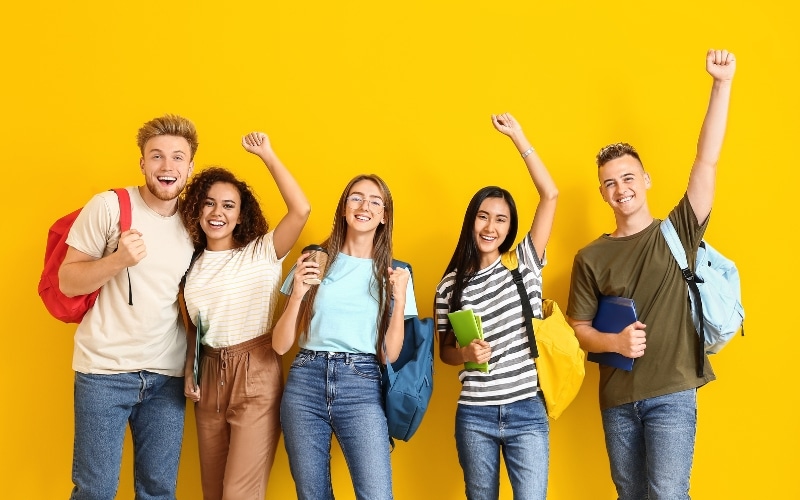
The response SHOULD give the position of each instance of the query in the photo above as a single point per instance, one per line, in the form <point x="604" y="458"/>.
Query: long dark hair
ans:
<point x="253" y="223"/>
<point x="381" y="255"/>
<point x="466" y="258"/>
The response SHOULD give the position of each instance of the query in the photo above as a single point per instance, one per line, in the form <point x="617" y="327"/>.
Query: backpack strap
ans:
<point x="125" y="225"/>
<point x="181" y="286"/>
<point x="124" y="209"/>
<point x="395" y="264"/>
<point x="676" y="248"/>
<point x="509" y="260"/>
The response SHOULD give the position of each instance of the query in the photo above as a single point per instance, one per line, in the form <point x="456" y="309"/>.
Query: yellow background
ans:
<point x="405" y="90"/>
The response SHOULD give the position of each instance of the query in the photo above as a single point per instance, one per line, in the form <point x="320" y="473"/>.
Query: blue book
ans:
<point x="613" y="315"/>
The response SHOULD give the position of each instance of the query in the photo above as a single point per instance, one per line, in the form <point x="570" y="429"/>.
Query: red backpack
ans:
<point x="61" y="307"/>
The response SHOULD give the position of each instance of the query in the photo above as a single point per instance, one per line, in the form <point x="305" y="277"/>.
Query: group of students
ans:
<point x="134" y="366"/>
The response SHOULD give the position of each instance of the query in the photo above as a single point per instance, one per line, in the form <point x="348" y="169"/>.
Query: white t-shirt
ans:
<point x="115" y="337"/>
<point x="234" y="292"/>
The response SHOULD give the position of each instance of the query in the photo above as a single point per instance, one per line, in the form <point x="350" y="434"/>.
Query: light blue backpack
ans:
<point x="714" y="291"/>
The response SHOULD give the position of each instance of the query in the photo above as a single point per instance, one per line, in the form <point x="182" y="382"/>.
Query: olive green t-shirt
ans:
<point x="641" y="267"/>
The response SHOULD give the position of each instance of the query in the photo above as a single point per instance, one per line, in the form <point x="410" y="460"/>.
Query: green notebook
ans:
<point x="467" y="327"/>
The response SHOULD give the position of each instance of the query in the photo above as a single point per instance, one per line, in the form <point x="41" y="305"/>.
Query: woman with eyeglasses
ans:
<point x="347" y="325"/>
<point x="500" y="410"/>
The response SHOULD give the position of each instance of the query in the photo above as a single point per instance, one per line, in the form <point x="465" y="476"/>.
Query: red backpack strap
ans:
<point x="124" y="209"/>
<point x="125" y="225"/>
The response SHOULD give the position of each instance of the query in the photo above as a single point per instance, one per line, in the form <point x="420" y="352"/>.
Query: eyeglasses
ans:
<point x="356" y="201"/>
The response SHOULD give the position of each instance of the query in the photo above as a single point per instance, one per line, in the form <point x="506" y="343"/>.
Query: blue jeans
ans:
<point x="153" y="405"/>
<point x="521" y="431"/>
<point x="336" y="393"/>
<point x="650" y="446"/>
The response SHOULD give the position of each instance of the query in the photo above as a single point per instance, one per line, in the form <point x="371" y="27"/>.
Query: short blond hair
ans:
<point x="168" y="125"/>
<point x="614" y="151"/>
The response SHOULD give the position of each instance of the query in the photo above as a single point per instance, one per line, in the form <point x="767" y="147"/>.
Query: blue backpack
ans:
<point x="408" y="382"/>
<point x="714" y="291"/>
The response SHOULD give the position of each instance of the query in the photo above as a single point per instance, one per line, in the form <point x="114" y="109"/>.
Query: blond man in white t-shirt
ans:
<point x="129" y="348"/>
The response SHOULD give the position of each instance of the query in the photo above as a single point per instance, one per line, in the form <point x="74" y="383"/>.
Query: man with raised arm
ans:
<point x="649" y="414"/>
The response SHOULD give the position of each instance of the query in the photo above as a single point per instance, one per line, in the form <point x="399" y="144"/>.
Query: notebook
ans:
<point x="467" y="327"/>
<point x="613" y="315"/>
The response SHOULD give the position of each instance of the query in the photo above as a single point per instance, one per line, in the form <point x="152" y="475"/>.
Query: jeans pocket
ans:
<point x="366" y="369"/>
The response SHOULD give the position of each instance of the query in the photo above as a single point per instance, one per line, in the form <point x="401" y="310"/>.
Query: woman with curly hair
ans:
<point x="230" y="293"/>
<point x="347" y="325"/>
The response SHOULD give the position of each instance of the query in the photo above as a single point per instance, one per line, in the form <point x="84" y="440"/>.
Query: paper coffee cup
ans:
<point x="320" y="256"/>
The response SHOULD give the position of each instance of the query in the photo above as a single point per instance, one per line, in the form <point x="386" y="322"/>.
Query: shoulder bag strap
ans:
<point x="125" y="225"/>
<point x="675" y="246"/>
<point x="509" y="260"/>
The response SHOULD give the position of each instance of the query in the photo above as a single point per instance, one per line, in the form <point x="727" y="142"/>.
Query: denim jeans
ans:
<point x="336" y="393"/>
<point x="650" y="446"/>
<point x="521" y="431"/>
<point x="153" y="405"/>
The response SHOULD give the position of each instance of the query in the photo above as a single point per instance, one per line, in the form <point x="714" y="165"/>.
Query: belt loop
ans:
<point x="347" y="359"/>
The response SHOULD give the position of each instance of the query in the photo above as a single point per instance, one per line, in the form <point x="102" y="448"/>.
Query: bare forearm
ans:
<point x="702" y="180"/>
<point x="396" y="333"/>
<point x="191" y="342"/>
<point x="298" y="207"/>
<point x="593" y="340"/>
<point x="542" y="180"/>
<point x="86" y="276"/>
<point x="296" y="201"/>
<point x="449" y="351"/>
<point x="712" y="133"/>
<point x="284" y="333"/>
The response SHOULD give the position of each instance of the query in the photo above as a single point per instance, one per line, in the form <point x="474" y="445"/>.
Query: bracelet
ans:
<point x="526" y="153"/>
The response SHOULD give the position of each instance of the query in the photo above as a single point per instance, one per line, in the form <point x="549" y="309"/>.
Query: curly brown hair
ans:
<point x="253" y="223"/>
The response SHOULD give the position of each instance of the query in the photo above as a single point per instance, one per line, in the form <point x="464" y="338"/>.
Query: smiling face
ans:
<point x="220" y="215"/>
<point x="624" y="185"/>
<point x="492" y="224"/>
<point x="367" y="215"/>
<point x="166" y="166"/>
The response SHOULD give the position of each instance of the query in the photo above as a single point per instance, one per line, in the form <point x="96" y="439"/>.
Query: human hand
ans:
<point x="632" y="340"/>
<point x="190" y="390"/>
<point x="506" y="124"/>
<point x="257" y="143"/>
<point x="720" y="64"/>
<point x="304" y="269"/>
<point x="398" y="278"/>
<point x="477" y="351"/>
<point x="131" y="248"/>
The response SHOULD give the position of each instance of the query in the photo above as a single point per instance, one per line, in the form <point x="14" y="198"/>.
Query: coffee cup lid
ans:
<point x="314" y="248"/>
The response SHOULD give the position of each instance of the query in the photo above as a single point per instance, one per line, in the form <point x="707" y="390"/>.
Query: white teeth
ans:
<point x="168" y="179"/>
<point x="488" y="238"/>
<point x="625" y="200"/>
<point x="216" y="223"/>
<point x="362" y="218"/>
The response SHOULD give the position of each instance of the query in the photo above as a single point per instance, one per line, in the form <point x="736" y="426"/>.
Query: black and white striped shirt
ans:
<point x="493" y="296"/>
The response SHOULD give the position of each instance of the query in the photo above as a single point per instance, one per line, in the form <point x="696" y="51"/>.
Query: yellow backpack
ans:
<point x="555" y="349"/>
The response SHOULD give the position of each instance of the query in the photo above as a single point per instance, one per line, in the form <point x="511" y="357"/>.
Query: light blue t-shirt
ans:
<point x="346" y="308"/>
